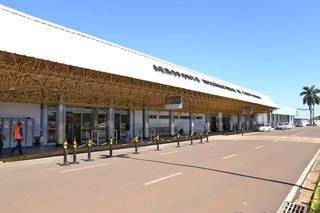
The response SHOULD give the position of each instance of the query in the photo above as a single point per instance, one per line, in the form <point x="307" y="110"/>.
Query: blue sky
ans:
<point x="272" y="46"/>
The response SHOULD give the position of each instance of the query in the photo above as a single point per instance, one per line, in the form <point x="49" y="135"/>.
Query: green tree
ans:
<point x="310" y="97"/>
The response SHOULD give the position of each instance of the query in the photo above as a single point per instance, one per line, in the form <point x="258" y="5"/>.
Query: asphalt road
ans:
<point x="220" y="176"/>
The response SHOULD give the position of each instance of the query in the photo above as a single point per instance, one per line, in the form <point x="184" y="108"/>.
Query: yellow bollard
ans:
<point x="75" y="146"/>
<point x="65" y="153"/>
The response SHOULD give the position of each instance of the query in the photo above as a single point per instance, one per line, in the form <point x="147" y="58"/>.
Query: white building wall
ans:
<point x="199" y="124"/>
<point x="233" y="121"/>
<point x="21" y="110"/>
<point x="159" y="122"/>
<point x="179" y="123"/>
<point x="261" y="118"/>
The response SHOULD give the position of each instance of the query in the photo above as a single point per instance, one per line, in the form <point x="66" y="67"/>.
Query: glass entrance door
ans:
<point x="73" y="127"/>
<point x="122" y="124"/>
<point x="226" y="123"/>
<point x="213" y="126"/>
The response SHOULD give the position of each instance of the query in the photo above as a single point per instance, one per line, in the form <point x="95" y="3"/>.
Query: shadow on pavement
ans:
<point x="219" y="171"/>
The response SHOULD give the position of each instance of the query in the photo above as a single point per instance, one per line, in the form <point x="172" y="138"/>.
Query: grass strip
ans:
<point x="315" y="204"/>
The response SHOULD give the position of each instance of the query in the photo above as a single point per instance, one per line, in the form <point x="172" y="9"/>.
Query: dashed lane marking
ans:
<point x="258" y="147"/>
<point x="162" y="179"/>
<point x="84" y="168"/>
<point x="300" y="133"/>
<point x="214" y="144"/>
<point x="168" y="153"/>
<point x="229" y="156"/>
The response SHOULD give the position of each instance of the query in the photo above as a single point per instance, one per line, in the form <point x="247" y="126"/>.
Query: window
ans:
<point x="199" y="117"/>
<point x="176" y="117"/>
<point x="184" y="117"/>
<point x="164" y="117"/>
<point x="52" y="125"/>
<point x="153" y="117"/>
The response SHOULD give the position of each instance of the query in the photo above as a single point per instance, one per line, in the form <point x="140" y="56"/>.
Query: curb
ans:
<point x="294" y="190"/>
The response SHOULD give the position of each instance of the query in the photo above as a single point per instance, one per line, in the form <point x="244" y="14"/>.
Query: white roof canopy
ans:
<point x="284" y="110"/>
<point x="26" y="35"/>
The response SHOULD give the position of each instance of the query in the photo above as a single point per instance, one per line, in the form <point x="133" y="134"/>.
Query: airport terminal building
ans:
<point x="64" y="84"/>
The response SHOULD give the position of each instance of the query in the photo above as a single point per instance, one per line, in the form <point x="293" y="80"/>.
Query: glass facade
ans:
<point x="83" y="124"/>
<point x="52" y="125"/>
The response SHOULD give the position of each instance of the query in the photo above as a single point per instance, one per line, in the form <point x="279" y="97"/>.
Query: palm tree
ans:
<point x="310" y="97"/>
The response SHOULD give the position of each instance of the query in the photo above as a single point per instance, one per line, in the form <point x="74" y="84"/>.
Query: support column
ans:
<point x="220" y="125"/>
<point x="171" y="123"/>
<point x="145" y="124"/>
<point x="95" y="118"/>
<point x="61" y="121"/>
<point x="132" y="123"/>
<point x="44" y="124"/>
<point x="110" y="123"/>
<point x="191" y="123"/>
<point x="207" y="123"/>
<point x="231" y="122"/>
<point x="242" y="122"/>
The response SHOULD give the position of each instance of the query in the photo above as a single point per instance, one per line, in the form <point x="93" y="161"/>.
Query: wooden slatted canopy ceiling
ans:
<point x="29" y="80"/>
<point x="39" y="61"/>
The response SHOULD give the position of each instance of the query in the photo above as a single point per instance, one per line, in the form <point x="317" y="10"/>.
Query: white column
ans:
<point x="95" y="118"/>
<point x="132" y="123"/>
<point x="110" y="123"/>
<point x="44" y="126"/>
<point x="220" y="125"/>
<point x="231" y="122"/>
<point x="207" y="122"/>
<point x="171" y="123"/>
<point x="61" y="121"/>
<point x="145" y="120"/>
<point x="191" y="123"/>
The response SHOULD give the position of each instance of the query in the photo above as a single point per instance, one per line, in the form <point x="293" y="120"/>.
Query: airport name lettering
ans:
<point x="194" y="78"/>
<point x="175" y="73"/>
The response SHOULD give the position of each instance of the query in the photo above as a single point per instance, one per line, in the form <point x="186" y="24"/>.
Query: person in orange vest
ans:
<point x="18" y="136"/>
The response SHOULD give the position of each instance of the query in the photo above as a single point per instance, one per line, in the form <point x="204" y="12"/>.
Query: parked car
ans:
<point x="265" y="128"/>
<point x="287" y="125"/>
<point x="257" y="127"/>
<point x="299" y="124"/>
<point x="280" y="126"/>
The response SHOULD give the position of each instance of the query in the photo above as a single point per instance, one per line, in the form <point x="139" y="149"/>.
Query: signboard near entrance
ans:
<point x="175" y="102"/>
<point x="247" y="111"/>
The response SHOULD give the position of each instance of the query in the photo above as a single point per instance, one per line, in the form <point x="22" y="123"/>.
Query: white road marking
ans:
<point x="42" y="161"/>
<point x="168" y="153"/>
<point x="297" y="134"/>
<point x="258" y="147"/>
<point x="245" y="203"/>
<point x="214" y="144"/>
<point x="83" y="168"/>
<point x="162" y="179"/>
<point x="229" y="156"/>
<point x="276" y="141"/>
<point x="300" y="181"/>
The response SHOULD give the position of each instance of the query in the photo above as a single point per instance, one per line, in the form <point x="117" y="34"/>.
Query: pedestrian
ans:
<point x="18" y="136"/>
<point x="1" y="142"/>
